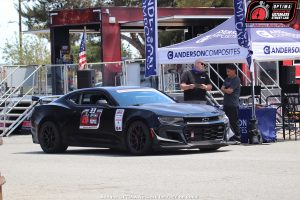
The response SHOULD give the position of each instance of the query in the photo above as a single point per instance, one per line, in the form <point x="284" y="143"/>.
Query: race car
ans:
<point x="137" y="119"/>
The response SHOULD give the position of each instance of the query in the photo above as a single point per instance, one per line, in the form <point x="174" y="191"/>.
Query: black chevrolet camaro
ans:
<point x="137" y="119"/>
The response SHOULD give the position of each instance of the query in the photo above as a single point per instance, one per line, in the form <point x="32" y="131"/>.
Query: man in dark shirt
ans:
<point x="231" y="90"/>
<point x="195" y="83"/>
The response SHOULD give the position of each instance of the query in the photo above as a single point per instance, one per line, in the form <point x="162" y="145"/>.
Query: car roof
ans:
<point x="108" y="89"/>
<point x="114" y="88"/>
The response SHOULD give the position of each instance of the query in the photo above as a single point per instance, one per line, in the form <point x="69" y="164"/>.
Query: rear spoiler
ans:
<point x="45" y="99"/>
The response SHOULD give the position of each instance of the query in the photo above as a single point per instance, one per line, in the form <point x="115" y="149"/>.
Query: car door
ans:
<point x="94" y="115"/>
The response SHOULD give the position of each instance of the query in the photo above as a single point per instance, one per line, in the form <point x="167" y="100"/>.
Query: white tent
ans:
<point x="220" y="45"/>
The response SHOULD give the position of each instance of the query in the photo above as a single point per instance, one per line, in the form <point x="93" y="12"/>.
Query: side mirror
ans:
<point x="35" y="98"/>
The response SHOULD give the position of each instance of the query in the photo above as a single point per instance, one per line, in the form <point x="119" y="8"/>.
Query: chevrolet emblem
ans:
<point x="205" y="119"/>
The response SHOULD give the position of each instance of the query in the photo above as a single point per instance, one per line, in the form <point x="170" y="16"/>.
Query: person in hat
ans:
<point x="195" y="83"/>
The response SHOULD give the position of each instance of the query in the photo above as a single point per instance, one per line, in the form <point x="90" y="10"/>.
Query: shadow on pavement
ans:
<point x="119" y="153"/>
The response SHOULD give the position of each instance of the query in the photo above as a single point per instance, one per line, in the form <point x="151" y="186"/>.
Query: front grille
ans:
<point x="204" y="132"/>
<point x="201" y="119"/>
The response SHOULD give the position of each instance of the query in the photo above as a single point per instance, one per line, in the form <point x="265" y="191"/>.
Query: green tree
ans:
<point x="136" y="40"/>
<point x="35" y="51"/>
<point x="36" y="14"/>
<point x="160" y="3"/>
<point x="93" y="49"/>
<point x="204" y="3"/>
<point x="166" y="38"/>
<point x="126" y="50"/>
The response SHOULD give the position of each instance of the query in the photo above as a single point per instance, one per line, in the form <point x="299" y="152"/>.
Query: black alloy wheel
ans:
<point x="138" y="139"/>
<point x="50" y="139"/>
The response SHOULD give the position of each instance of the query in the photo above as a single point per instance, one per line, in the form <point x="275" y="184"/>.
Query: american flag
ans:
<point x="82" y="53"/>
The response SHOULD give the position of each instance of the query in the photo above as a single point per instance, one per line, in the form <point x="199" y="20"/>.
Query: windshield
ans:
<point x="136" y="97"/>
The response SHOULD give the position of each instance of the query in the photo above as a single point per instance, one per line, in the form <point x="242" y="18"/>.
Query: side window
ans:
<point x="86" y="98"/>
<point x="94" y="98"/>
<point x="75" y="99"/>
<point x="98" y="98"/>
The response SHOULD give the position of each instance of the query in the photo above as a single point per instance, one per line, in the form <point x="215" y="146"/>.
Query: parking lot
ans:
<point x="268" y="171"/>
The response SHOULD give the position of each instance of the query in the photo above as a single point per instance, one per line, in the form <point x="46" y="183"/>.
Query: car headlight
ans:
<point x="224" y="117"/>
<point x="171" y="120"/>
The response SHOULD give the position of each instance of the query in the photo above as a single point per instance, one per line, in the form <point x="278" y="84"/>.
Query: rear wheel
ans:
<point x="138" y="138"/>
<point x="50" y="139"/>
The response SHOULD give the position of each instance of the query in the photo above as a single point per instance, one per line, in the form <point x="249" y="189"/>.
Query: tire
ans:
<point x="209" y="149"/>
<point x="138" y="139"/>
<point x="50" y="139"/>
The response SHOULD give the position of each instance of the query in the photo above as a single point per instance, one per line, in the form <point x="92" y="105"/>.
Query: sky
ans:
<point x="8" y="14"/>
<point x="9" y="25"/>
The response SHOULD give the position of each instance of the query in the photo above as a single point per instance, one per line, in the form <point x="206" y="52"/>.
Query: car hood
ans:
<point x="183" y="109"/>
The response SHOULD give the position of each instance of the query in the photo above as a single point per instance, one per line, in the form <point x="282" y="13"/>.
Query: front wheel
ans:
<point x="138" y="138"/>
<point x="50" y="139"/>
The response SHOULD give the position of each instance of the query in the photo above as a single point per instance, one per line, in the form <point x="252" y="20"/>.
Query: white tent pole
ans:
<point x="159" y="77"/>
<point x="163" y="79"/>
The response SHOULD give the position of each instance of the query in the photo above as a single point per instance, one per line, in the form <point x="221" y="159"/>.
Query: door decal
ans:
<point x="90" y="118"/>
<point x="118" y="119"/>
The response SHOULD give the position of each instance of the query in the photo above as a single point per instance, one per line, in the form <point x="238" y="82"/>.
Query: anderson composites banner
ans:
<point x="214" y="54"/>
<point x="240" y="27"/>
<point x="150" y="29"/>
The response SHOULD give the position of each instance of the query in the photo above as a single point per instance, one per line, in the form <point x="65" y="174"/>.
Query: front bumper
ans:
<point x="191" y="135"/>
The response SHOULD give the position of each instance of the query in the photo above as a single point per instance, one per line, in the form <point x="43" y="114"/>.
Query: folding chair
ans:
<point x="291" y="103"/>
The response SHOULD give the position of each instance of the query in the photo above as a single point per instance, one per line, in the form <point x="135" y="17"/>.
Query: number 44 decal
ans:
<point x="119" y="119"/>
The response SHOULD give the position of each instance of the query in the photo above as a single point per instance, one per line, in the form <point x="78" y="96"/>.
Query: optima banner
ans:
<point x="150" y="29"/>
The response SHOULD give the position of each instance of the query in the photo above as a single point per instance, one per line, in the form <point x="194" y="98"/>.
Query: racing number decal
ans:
<point x="90" y="118"/>
<point x="118" y="119"/>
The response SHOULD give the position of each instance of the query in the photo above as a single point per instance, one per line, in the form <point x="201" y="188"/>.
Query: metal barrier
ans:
<point x="2" y="179"/>
<point x="266" y="87"/>
<point x="10" y="100"/>
<point x="64" y="77"/>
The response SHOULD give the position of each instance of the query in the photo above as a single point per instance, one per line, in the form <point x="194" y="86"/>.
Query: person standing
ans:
<point x="231" y="89"/>
<point x="195" y="83"/>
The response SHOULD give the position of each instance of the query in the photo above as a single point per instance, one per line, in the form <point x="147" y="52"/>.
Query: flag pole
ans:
<point x="244" y="40"/>
<point x="254" y="133"/>
<point x="84" y="32"/>
<point x="82" y="60"/>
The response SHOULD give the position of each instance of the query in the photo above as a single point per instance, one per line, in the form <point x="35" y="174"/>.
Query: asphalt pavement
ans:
<point x="268" y="171"/>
